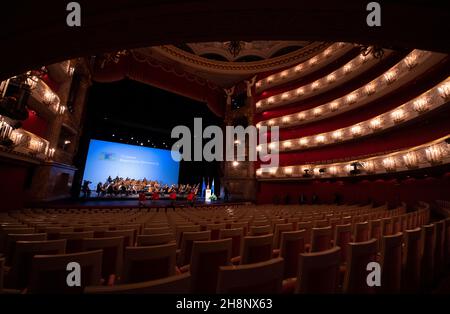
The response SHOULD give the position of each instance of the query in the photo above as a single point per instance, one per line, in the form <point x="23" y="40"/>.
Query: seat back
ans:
<point x="411" y="261"/>
<point x="207" y="257"/>
<point x="439" y="250"/>
<point x="260" y="230"/>
<point x="256" y="249"/>
<point x="359" y="256"/>
<point x="53" y="232"/>
<point x="236" y="235"/>
<point x="74" y="240"/>
<point x="375" y="231"/>
<point x="342" y="237"/>
<point x="319" y="272"/>
<point x="321" y="239"/>
<point x="428" y="249"/>
<point x="178" y="284"/>
<point x="19" y="274"/>
<point x="155" y="239"/>
<point x="279" y="229"/>
<point x="112" y="248"/>
<point x="187" y="241"/>
<point x="447" y="242"/>
<point x="240" y="224"/>
<point x="179" y="230"/>
<point x="2" y="272"/>
<point x="292" y="244"/>
<point x="307" y="226"/>
<point x="258" y="278"/>
<point x="159" y="230"/>
<point x="49" y="272"/>
<point x="128" y="236"/>
<point x="148" y="263"/>
<point x="215" y="229"/>
<point x="361" y="232"/>
<point x="99" y="231"/>
<point x="387" y="227"/>
<point x="391" y="263"/>
<point x="11" y="240"/>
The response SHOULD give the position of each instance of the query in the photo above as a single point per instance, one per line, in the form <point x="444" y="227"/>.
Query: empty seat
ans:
<point x="2" y="272"/>
<point x="322" y="223"/>
<point x="177" y="284"/>
<point x="53" y="232"/>
<point x="240" y="224"/>
<point x="342" y="237"/>
<point x="215" y="230"/>
<point x="257" y="278"/>
<point x="128" y="236"/>
<point x="112" y="260"/>
<point x="359" y="256"/>
<point x="260" y="230"/>
<point x="159" y="230"/>
<point x="179" y="230"/>
<point x="387" y="227"/>
<point x="155" y="239"/>
<point x="236" y="235"/>
<point x="361" y="233"/>
<point x="256" y="249"/>
<point x="319" y="272"/>
<point x="99" y="231"/>
<point x="187" y="241"/>
<point x="391" y="263"/>
<point x="375" y="231"/>
<point x="411" y="261"/>
<point x="321" y="239"/>
<point x="148" y="263"/>
<point x="439" y="249"/>
<point x="292" y="244"/>
<point x="279" y="229"/>
<point x="11" y="240"/>
<point x="19" y="273"/>
<point x="447" y="242"/>
<point x="428" y="248"/>
<point x="207" y="257"/>
<point x="49" y="272"/>
<point x="74" y="240"/>
<point x="307" y="226"/>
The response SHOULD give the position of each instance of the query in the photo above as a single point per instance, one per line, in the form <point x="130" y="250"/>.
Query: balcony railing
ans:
<point x="41" y="93"/>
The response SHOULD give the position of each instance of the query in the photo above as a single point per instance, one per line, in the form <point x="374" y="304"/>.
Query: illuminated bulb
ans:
<point x="363" y="58"/>
<point x="258" y="104"/>
<point x="284" y="73"/>
<point x="390" y="76"/>
<point x="288" y="170"/>
<point x="370" y="89"/>
<point x="421" y="105"/>
<point x="286" y="119"/>
<point x="287" y="144"/>
<point x="444" y="90"/>
<point x="389" y="164"/>
<point x="348" y="168"/>
<point x="258" y="148"/>
<point x="328" y="51"/>
<point x="273" y="145"/>
<point x="313" y="61"/>
<point x="300" y="91"/>
<point x="351" y="98"/>
<point x="301" y="116"/>
<point x="334" y="106"/>
<point x="333" y="170"/>
<point x="434" y="154"/>
<point x="259" y="172"/>
<point x="258" y="84"/>
<point x="258" y="125"/>
<point x="317" y="112"/>
<point x="237" y="142"/>
<point x="270" y="79"/>
<point x="376" y="124"/>
<point x="235" y="164"/>
<point x="304" y="141"/>
<point x="369" y="166"/>
<point x="271" y="122"/>
<point x="337" y="135"/>
<point x="315" y="85"/>
<point x="348" y="67"/>
<point x="411" y="160"/>
<point x="331" y="78"/>
<point x="398" y="115"/>
<point x="273" y="170"/>
<point x="298" y="68"/>
<point x="356" y="130"/>
<point x="271" y="100"/>
<point x="320" y="139"/>
<point x="32" y="81"/>
<point x="411" y="60"/>
<point x="285" y="96"/>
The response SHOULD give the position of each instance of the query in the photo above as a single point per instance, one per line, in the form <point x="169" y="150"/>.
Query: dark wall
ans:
<point x="13" y="184"/>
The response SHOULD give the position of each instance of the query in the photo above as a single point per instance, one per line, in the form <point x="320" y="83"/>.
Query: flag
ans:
<point x="203" y="187"/>
<point x="212" y="187"/>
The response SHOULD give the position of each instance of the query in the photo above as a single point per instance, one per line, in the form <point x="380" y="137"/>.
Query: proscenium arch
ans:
<point x="34" y="33"/>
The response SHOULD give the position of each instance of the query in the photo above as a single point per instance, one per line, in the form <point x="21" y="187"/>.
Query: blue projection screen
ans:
<point x="135" y="162"/>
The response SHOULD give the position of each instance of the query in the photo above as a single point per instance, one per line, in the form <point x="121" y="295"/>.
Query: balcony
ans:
<point x="60" y="72"/>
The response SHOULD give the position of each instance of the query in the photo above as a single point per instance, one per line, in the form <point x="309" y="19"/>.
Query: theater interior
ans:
<point x="363" y="173"/>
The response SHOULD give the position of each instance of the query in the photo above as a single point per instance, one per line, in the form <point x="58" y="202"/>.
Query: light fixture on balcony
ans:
<point x="334" y="106"/>
<point x="389" y="164"/>
<point x="356" y="130"/>
<point x="287" y="144"/>
<point x="235" y="164"/>
<point x="368" y="166"/>
<point x="337" y="135"/>
<point x="258" y="125"/>
<point x="269" y="79"/>
<point x="421" y="105"/>
<point x="271" y="100"/>
<point x="348" y="67"/>
<point x="274" y="146"/>
<point x="411" y="60"/>
<point x="298" y="68"/>
<point x="370" y="89"/>
<point x="288" y="171"/>
<point x="390" y="76"/>
<point x="434" y="154"/>
<point x="376" y="124"/>
<point x="272" y="122"/>
<point x="5" y="130"/>
<point x="351" y="99"/>
<point x="333" y="171"/>
<point x="258" y="104"/>
<point x="327" y="52"/>
<point x="313" y="61"/>
<point x="258" y="84"/>
<point x="331" y="78"/>
<point x="285" y="96"/>
<point x="301" y="116"/>
<point x="300" y="91"/>
<point x="398" y="115"/>
<point x="444" y="90"/>
<point x="36" y="145"/>
<point x="286" y="119"/>
<point x="237" y="142"/>
<point x="273" y="170"/>
<point x="50" y="152"/>
<point x="303" y="142"/>
<point x="258" y="148"/>
<point x="259" y="172"/>
<point x="315" y="85"/>
<point x="320" y="139"/>
<point x="284" y="73"/>
<point x="411" y="160"/>
<point x="317" y="111"/>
